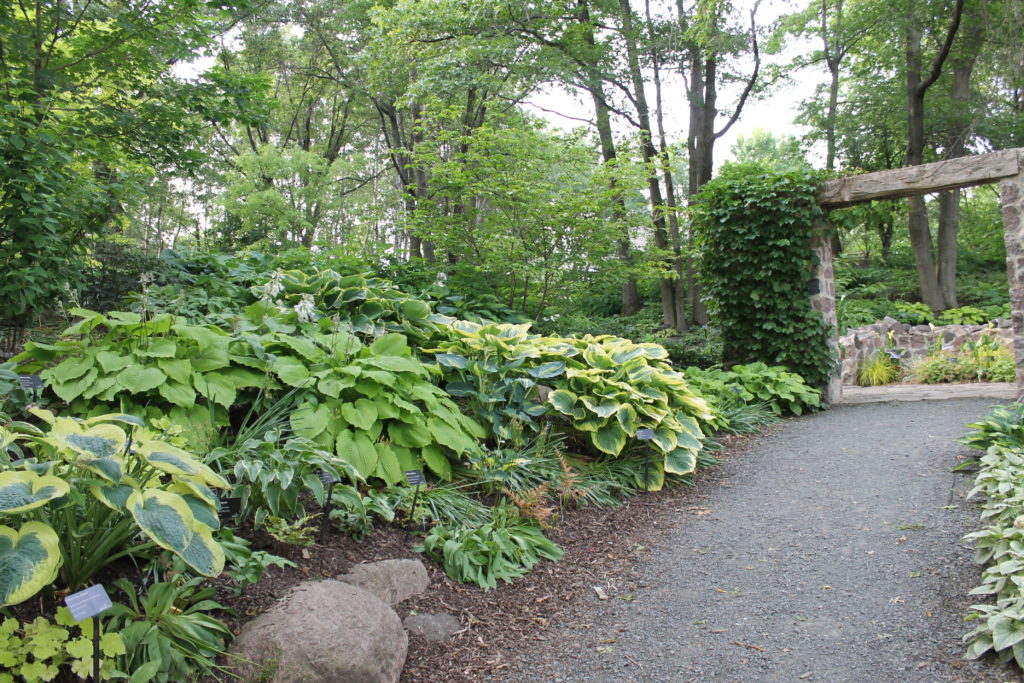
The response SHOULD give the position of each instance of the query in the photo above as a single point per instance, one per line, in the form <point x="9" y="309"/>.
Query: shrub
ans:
<point x="754" y="228"/>
<point x="781" y="390"/>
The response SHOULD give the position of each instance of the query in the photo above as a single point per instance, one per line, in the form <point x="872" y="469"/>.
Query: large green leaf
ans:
<point x="69" y="391"/>
<point x="29" y="560"/>
<point x="410" y="435"/>
<point x="681" y="461"/>
<point x="308" y="421"/>
<point x="168" y="521"/>
<point x="547" y="370"/>
<point x="446" y="435"/>
<point x="361" y="414"/>
<point x="158" y="348"/>
<point x="115" y="496"/>
<point x="112" y="362"/>
<point x="177" y="393"/>
<point x="563" y="401"/>
<point x="349" y="450"/>
<point x="388" y="467"/>
<point x="437" y="462"/>
<point x="173" y="460"/>
<point x="291" y="370"/>
<point x="21" y="491"/>
<point x="178" y="370"/>
<point x="609" y="439"/>
<point x="627" y="418"/>
<point x="138" y="379"/>
<point x="216" y="388"/>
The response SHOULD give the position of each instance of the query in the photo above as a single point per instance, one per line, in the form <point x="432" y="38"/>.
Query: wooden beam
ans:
<point x="924" y="179"/>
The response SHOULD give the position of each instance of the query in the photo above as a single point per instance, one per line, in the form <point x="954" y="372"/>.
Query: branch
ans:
<point x="753" y="77"/>
<point x="940" y="58"/>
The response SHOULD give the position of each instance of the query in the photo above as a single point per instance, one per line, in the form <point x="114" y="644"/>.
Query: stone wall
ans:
<point x="914" y="340"/>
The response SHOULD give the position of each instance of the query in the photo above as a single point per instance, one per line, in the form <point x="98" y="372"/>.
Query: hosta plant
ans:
<point x="40" y="650"/>
<point x="87" y="490"/>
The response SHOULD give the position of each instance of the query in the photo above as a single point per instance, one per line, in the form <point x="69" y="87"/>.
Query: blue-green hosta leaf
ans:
<point x="138" y="379"/>
<point x="29" y="560"/>
<point x="452" y="360"/>
<point x="115" y="496"/>
<point x="177" y="393"/>
<point x="628" y="420"/>
<point x="112" y="362"/>
<point x="563" y="401"/>
<point x="681" y="461"/>
<point x="436" y="460"/>
<point x="158" y="348"/>
<point x="550" y="369"/>
<point x="173" y="460"/>
<point x="460" y="389"/>
<point x="654" y="351"/>
<point x="291" y="371"/>
<point x="609" y="439"/>
<point x="362" y="414"/>
<point x="21" y="491"/>
<point x="167" y="519"/>
<point x="202" y="511"/>
<point x="216" y="388"/>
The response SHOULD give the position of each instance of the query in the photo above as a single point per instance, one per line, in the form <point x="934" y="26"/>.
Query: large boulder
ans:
<point x="390" y="580"/>
<point x="323" y="632"/>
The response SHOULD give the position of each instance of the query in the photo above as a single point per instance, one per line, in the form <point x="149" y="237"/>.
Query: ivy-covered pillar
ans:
<point x="823" y="297"/>
<point x="1011" y="196"/>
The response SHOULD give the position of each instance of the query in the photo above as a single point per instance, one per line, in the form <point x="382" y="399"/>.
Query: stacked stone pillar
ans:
<point x="823" y="298"/>
<point x="1011" y="196"/>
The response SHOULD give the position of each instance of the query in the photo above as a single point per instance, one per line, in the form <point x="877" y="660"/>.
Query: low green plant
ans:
<point x="965" y="315"/>
<point x="1003" y="427"/>
<point x="882" y="368"/>
<point x="355" y="514"/>
<point x="503" y="549"/>
<point x="169" y="633"/>
<point x="41" y="649"/>
<point x="244" y="565"/>
<point x="300" y="532"/>
<point x="781" y="390"/>
<point x="87" y="492"/>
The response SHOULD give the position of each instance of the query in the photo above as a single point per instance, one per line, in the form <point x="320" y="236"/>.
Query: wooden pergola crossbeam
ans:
<point x="913" y="181"/>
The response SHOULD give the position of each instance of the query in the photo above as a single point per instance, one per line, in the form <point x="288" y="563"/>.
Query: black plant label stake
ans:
<point x="33" y="382"/>
<point x="229" y="509"/>
<point x="87" y="603"/>
<point x="646" y="435"/>
<point x="416" y="478"/>
<point x="329" y="480"/>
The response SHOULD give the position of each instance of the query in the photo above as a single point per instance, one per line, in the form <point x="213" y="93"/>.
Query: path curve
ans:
<point x="830" y="551"/>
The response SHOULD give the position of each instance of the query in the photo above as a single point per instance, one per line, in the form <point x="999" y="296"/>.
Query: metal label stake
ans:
<point x="328" y="480"/>
<point x="416" y="478"/>
<point x="646" y="435"/>
<point x="87" y="603"/>
<point x="33" y="382"/>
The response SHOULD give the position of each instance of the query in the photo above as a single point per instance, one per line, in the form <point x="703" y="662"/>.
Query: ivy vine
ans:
<point x="753" y="228"/>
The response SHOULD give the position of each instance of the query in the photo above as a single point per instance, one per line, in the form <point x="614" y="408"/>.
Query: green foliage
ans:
<point x="782" y="391"/>
<point x="503" y="549"/>
<point x="880" y="369"/>
<point x="87" y="489"/>
<point x="985" y="359"/>
<point x="941" y="368"/>
<point x="168" y="632"/>
<point x="354" y="513"/>
<point x="300" y="532"/>
<point x="965" y="315"/>
<point x="244" y="565"/>
<point x="1003" y="427"/>
<point x="39" y="650"/>
<point x="754" y="228"/>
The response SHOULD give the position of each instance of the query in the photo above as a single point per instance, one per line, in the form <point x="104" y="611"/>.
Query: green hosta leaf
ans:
<point x="609" y="439"/>
<point x="388" y="467"/>
<point x="158" y="348"/>
<point x="168" y="521"/>
<point x="396" y="364"/>
<point x="112" y="362"/>
<point x="1006" y="631"/>
<point x="213" y="357"/>
<point x="655" y="476"/>
<point x="308" y="421"/>
<point x="21" y="491"/>
<point x="665" y="439"/>
<point x="71" y="369"/>
<point x="216" y="388"/>
<point x="349" y="450"/>
<point x="390" y="345"/>
<point x="361" y="414"/>
<point x="551" y="369"/>
<point x="138" y="379"/>
<point x="29" y="560"/>
<point x="446" y="435"/>
<point x="414" y="309"/>
<point x="97" y="448"/>
<point x="291" y="370"/>
<point x="178" y="370"/>
<point x="563" y="401"/>
<point x="410" y="435"/>
<point x="681" y="461"/>
<point x="69" y="391"/>
<point x="437" y="462"/>
<point x="173" y="460"/>
<point x="603" y="409"/>
<point x="177" y="393"/>
<point x="201" y="510"/>
<point x="101" y="385"/>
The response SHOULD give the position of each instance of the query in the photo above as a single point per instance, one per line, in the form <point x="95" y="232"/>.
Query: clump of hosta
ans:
<point x="86" y="489"/>
<point x="605" y="389"/>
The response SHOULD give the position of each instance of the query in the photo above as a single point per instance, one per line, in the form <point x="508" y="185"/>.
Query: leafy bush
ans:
<point x="754" y="228"/>
<point x="85" y="492"/>
<point x="939" y="368"/>
<point x="503" y="549"/>
<point x="965" y="315"/>
<point x="781" y="390"/>
<point x="1003" y="427"/>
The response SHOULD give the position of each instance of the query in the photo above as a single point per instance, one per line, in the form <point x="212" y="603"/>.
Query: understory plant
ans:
<point x="999" y="545"/>
<point x="783" y="391"/>
<point x="40" y="649"/>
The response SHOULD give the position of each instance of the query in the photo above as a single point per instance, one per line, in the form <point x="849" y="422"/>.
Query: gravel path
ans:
<point x="830" y="551"/>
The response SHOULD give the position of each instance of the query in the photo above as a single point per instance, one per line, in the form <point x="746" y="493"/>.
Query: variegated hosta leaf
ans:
<point x="168" y="521"/>
<point x="21" y="491"/>
<point x="203" y="512"/>
<point x="97" y="448"/>
<point x="115" y="496"/>
<point x="681" y="461"/>
<point x="173" y="460"/>
<point x="29" y="560"/>
<point x="609" y="439"/>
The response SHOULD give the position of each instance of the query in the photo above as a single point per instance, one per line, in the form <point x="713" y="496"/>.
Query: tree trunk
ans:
<point x="649" y="155"/>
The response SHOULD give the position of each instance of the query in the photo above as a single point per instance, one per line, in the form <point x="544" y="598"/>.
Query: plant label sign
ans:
<point x="645" y="434"/>
<point x="31" y="381"/>
<point x="230" y="507"/>
<point x="327" y="478"/>
<point x="415" y="477"/>
<point x="88" y="603"/>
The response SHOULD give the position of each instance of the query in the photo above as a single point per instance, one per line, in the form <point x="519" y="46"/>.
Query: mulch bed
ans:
<point x="602" y="548"/>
